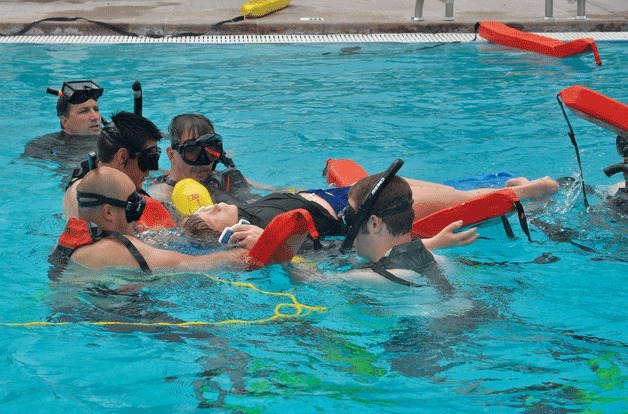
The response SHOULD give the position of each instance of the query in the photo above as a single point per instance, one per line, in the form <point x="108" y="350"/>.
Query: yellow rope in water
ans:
<point x="299" y="308"/>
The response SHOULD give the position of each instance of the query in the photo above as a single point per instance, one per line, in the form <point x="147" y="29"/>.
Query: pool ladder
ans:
<point x="449" y="10"/>
<point x="580" y="14"/>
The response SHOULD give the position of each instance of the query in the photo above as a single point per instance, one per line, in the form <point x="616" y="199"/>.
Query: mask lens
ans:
<point x="191" y="153"/>
<point x="81" y="91"/>
<point x="148" y="159"/>
<point x="203" y="151"/>
<point x="212" y="154"/>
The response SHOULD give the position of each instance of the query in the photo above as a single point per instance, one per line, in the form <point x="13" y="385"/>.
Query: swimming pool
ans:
<point x="542" y="338"/>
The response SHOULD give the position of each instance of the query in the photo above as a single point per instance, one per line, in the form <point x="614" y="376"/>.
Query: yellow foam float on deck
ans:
<point x="260" y="8"/>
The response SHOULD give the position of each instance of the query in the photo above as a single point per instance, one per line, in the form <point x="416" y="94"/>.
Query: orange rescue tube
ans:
<point x="597" y="108"/>
<point x="282" y="238"/>
<point x="499" y="33"/>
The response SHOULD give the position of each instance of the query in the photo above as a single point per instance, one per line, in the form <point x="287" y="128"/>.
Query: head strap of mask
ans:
<point x="367" y="205"/>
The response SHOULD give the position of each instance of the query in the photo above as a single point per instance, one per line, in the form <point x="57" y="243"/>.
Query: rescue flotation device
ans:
<point x="596" y="108"/>
<point x="499" y="33"/>
<point x="474" y="211"/>
<point x="282" y="238"/>
<point x="260" y="8"/>
<point x="155" y="216"/>
<point x="77" y="233"/>
<point x="343" y="172"/>
<point x="489" y="206"/>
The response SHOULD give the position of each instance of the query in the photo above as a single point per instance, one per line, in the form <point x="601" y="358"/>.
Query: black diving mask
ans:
<point x="134" y="205"/>
<point x="206" y="150"/>
<point x="148" y="159"/>
<point x="349" y="216"/>
<point x="76" y="93"/>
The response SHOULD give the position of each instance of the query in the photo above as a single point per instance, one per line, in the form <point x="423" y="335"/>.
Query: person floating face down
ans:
<point x="77" y="108"/>
<point x="110" y="201"/>
<point x="129" y="144"/>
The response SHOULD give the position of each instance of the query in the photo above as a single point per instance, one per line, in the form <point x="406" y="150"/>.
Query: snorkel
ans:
<point x="365" y="208"/>
<point x="137" y="97"/>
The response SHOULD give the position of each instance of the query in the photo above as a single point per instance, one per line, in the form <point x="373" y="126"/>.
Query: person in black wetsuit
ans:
<point x="80" y="120"/>
<point x="384" y="237"/>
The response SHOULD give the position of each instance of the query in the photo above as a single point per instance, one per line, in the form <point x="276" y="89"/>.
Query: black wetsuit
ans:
<point x="619" y="201"/>
<point x="413" y="256"/>
<point x="262" y="211"/>
<point x="66" y="149"/>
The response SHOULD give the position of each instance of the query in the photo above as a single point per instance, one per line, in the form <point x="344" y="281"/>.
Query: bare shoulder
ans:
<point x="70" y="205"/>
<point x="107" y="252"/>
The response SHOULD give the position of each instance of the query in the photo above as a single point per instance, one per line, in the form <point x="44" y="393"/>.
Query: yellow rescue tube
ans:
<point x="260" y="8"/>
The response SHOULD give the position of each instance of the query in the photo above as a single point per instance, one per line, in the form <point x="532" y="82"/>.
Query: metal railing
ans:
<point x="580" y="9"/>
<point x="449" y="11"/>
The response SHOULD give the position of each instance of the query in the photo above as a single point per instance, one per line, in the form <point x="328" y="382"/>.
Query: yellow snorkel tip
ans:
<point x="260" y="8"/>
<point x="189" y="195"/>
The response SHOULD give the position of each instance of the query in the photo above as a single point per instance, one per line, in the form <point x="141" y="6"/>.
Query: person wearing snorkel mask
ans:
<point x="129" y="144"/>
<point x="194" y="153"/>
<point x="101" y="236"/>
<point x="80" y="121"/>
<point x="381" y="231"/>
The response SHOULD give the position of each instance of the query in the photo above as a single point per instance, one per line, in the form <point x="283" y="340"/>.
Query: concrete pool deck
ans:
<point x="174" y="17"/>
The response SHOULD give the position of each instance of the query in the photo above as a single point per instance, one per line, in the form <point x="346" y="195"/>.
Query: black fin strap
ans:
<point x="522" y="219"/>
<point x="379" y="269"/>
<point x="507" y="228"/>
<point x="132" y="249"/>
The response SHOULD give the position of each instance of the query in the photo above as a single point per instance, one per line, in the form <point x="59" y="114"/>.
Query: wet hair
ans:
<point x="196" y="225"/>
<point x="394" y="196"/>
<point x="126" y="130"/>
<point x="62" y="106"/>
<point x="194" y="124"/>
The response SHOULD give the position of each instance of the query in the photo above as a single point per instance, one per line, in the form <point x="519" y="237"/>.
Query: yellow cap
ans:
<point x="189" y="195"/>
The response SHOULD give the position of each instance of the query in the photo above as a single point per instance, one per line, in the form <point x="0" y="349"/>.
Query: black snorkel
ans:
<point x="366" y="206"/>
<point x="137" y="97"/>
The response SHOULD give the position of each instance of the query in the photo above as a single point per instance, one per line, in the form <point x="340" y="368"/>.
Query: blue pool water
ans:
<point x="544" y="336"/>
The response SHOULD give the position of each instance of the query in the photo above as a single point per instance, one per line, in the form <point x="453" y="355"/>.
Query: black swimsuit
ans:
<point x="262" y="211"/>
